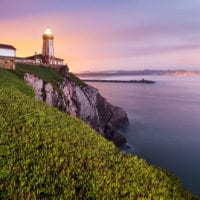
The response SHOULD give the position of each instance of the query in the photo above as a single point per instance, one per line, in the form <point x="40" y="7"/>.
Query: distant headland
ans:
<point x="140" y="73"/>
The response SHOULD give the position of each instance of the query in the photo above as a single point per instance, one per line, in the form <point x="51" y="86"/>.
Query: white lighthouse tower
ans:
<point x="48" y="47"/>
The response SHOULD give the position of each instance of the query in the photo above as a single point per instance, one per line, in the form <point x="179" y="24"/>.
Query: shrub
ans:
<point x="76" y="80"/>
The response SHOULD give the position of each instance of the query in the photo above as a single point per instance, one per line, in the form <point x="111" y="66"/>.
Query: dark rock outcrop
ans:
<point x="83" y="102"/>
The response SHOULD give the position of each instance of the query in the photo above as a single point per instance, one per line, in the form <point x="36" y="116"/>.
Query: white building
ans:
<point x="7" y="50"/>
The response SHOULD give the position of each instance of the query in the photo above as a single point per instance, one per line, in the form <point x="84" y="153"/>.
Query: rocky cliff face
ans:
<point x="84" y="102"/>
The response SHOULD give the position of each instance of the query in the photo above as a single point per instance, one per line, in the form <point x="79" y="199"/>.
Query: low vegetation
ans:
<point x="44" y="73"/>
<point x="40" y="71"/>
<point x="46" y="154"/>
<point x="76" y="80"/>
<point x="9" y="80"/>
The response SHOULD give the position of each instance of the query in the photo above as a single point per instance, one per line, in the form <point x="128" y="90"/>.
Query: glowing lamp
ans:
<point x="48" y="31"/>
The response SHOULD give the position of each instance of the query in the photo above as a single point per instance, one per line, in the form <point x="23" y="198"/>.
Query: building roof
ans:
<point x="40" y="56"/>
<point x="36" y="56"/>
<point x="7" y="46"/>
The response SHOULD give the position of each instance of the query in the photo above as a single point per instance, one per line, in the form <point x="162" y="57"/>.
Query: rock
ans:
<point x="83" y="102"/>
<point x="119" y="117"/>
<point x="113" y="135"/>
<point x="37" y="85"/>
<point x="64" y="70"/>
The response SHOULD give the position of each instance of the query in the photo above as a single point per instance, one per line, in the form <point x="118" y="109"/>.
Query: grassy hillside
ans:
<point x="42" y="72"/>
<point x="45" y="73"/>
<point x="9" y="80"/>
<point x="46" y="154"/>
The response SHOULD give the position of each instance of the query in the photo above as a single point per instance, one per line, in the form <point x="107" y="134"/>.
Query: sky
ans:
<point x="107" y="34"/>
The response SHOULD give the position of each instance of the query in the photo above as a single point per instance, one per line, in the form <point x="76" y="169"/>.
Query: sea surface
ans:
<point x="164" y="120"/>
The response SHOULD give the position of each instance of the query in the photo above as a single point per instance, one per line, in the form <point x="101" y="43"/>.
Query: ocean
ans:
<point x="164" y="126"/>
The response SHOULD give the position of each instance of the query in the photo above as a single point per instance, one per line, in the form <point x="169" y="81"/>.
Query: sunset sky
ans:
<point x="95" y="35"/>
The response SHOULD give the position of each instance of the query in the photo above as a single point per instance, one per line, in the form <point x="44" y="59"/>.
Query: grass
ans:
<point x="46" y="154"/>
<point x="9" y="80"/>
<point x="76" y="80"/>
<point x="46" y="74"/>
<point x="42" y="72"/>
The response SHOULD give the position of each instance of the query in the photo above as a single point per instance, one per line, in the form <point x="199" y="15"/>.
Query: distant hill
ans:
<point x="140" y="72"/>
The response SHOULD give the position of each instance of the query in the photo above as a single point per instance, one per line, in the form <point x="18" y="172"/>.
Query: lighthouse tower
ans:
<point x="48" y="48"/>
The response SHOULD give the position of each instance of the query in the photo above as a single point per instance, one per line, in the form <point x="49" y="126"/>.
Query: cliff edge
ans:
<point x="82" y="101"/>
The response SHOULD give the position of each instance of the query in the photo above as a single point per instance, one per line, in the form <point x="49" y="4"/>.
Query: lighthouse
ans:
<point x="48" y="47"/>
<point x="47" y="56"/>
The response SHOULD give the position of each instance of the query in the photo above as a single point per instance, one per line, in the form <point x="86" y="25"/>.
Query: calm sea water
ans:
<point x="164" y="124"/>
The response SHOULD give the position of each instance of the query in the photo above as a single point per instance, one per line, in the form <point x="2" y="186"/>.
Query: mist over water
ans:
<point x="164" y="124"/>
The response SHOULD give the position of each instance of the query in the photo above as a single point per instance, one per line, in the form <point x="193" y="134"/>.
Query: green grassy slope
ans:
<point x="9" y="80"/>
<point x="46" y="74"/>
<point x="42" y="72"/>
<point x="46" y="154"/>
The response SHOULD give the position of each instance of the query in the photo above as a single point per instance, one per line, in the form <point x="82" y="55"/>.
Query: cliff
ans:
<point x="84" y="102"/>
